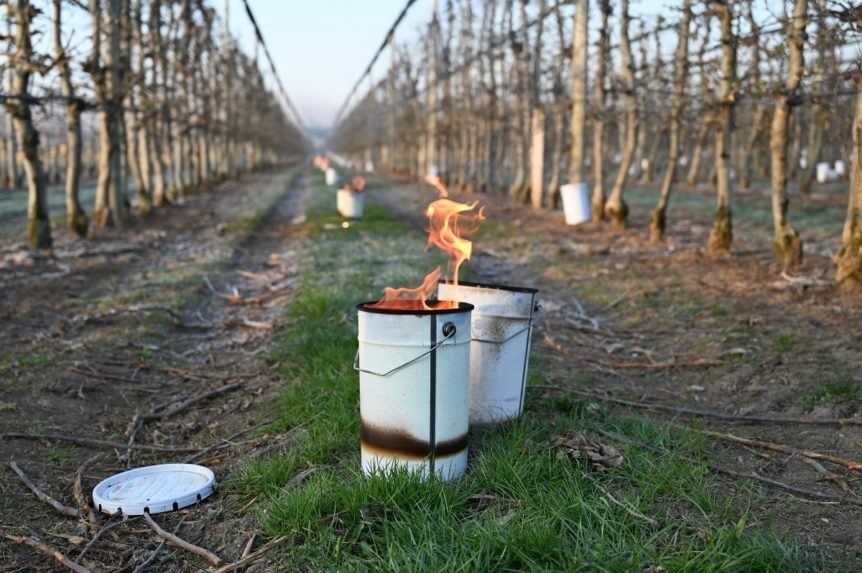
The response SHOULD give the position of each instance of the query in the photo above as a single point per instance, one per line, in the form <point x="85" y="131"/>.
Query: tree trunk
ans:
<point x="658" y="222"/>
<point x="13" y="174"/>
<point x="537" y="159"/>
<point x="598" y="195"/>
<point x="849" y="260"/>
<point x="579" y="92"/>
<point x="76" y="218"/>
<point x="721" y="236"/>
<point x="787" y="244"/>
<point x="38" y="220"/>
<point x="110" y="207"/>
<point x="616" y="209"/>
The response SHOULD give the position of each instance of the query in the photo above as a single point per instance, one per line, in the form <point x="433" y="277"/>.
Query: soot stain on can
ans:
<point x="399" y="443"/>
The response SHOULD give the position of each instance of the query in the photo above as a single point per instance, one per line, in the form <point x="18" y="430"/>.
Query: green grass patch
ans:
<point x="32" y="361"/>
<point x="523" y="506"/>
<point x="784" y="343"/>
<point x="246" y="224"/>
<point x="833" y="393"/>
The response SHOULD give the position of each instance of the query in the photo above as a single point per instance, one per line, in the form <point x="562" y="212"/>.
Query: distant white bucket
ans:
<point x="803" y="163"/>
<point x="824" y="171"/>
<point x="840" y="168"/>
<point x="501" y="325"/>
<point x="576" y="203"/>
<point x="369" y="166"/>
<point x="331" y="177"/>
<point x="414" y="389"/>
<point x="350" y="203"/>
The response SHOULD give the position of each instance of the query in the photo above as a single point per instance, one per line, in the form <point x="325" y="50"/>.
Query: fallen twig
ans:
<point x="682" y="411"/>
<point x="49" y="551"/>
<point x="698" y="363"/>
<point x="107" y="527"/>
<point x="64" y="509"/>
<point x="752" y="475"/>
<point x="849" y="464"/>
<point x="207" y="555"/>
<point x="159" y="413"/>
<point x="177" y="318"/>
<point x="84" y="508"/>
<point x="265" y="548"/>
<point x="149" y="560"/>
<point x="227" y="440"/>
<point x="92" y="442"/>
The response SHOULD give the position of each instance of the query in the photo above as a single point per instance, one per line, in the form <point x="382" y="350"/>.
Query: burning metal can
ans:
<point x="414" y="386"/>
<point x="501" y="326"/>
<point x="350" y="203"/>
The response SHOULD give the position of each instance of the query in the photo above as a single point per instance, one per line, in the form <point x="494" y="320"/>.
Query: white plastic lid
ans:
<point x="154" y="489"/>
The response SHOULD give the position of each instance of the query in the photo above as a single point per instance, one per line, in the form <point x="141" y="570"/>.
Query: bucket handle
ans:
<point x="448" y="332"/>
<point x="505" y="340"/>
<point x="536" y="309"/>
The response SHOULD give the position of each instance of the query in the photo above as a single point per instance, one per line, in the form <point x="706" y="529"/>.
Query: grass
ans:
<point x="522" y="506"/>
<point x="843" y="392"/>
<point x="30" y="361"/>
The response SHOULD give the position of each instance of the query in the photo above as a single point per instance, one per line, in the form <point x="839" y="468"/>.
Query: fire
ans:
<point x="450" y="223"/>
<point x="413" y="298"/>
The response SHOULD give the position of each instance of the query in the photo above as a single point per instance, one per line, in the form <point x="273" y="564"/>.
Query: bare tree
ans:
<point x="786" y="243"/>
<point x="24" y="64"/>
<point x="76" y="218"/>
<point x="579" y="92"/>
<point x="706" y="119"/>
<point x="110" y="206"/>
<point x="599" y="88"/>
<point x="849" y="272"/>
<point x="559" y="111"/>
<point x="760" y="115"/>
<point x="721" y="236"/>
<point x="659" y="215"/>
<point x="616" y="209"/>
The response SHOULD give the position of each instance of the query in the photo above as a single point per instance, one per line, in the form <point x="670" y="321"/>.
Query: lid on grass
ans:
<point x="154" y="489"/>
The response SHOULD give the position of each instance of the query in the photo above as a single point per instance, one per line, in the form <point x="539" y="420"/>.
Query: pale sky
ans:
<point x="321" y="46"/>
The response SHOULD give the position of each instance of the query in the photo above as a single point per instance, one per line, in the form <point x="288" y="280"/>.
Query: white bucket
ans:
<point x="576" y="203"/>
<point x="823" y="172"/>
<point x="350" y="203"/>
<point x="840" y="168"/>
<point x="369" y="166"/>
<point x="331" y="177"/>
<point x="499" y="349"/>
<point x="414" y="389"/>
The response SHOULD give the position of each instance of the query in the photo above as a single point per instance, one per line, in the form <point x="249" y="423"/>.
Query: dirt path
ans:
<point x="154" y="338"/>
<point x="666" y="325"/>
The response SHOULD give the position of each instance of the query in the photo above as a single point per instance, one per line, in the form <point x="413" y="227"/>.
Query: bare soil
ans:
<point x="140" y="321"/>
<point x="128" y="336"/>
<point x="668" y="325"/>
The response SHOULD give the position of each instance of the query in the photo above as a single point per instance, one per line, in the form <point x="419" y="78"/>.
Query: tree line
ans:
<point x="519" y="96"/>
<point x="153" y="95"/>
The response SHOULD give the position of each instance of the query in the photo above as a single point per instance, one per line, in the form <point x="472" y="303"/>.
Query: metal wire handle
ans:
<point x="448" y="332"/>
<point x="536" y="310"/>
<point x="505" y="340"/>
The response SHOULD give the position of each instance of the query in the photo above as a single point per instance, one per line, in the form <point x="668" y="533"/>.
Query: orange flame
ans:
<point x="413" y="298"/>
<point x="450" y="223"/>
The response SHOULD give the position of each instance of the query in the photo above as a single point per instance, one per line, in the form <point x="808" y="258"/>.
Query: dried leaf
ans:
<point x="577" y="447"/>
